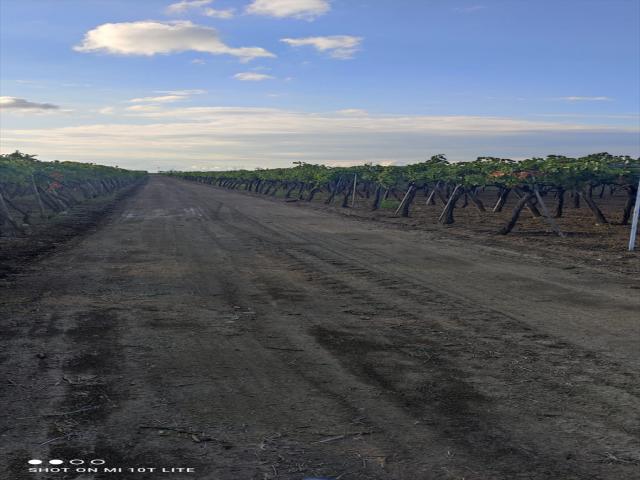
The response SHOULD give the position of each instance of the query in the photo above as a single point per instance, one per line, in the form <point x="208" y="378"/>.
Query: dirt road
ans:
<point x="249" y="339"/>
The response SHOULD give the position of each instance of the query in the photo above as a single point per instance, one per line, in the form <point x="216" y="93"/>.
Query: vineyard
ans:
<point x="489" y="185"/>
<point x="33" y="191"/>
<point x="181" y="323"/>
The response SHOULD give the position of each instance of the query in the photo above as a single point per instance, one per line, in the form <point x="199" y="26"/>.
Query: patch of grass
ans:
<point x="390" y="203"/>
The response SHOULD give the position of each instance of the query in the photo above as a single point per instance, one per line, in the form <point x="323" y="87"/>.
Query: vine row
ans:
<point x="529" y="182"/>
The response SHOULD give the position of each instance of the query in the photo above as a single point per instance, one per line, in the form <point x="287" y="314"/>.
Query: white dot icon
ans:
<point x="56" y="462"/>
<point x="34" y="462"/>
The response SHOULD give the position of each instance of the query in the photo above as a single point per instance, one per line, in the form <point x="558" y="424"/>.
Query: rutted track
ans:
<point x="249" y="339"/>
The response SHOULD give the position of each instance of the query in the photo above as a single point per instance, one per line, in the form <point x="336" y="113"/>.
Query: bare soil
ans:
<point x="585" y="242"/>
<point x="249" y="339"/>
<point x="46" y="234"/>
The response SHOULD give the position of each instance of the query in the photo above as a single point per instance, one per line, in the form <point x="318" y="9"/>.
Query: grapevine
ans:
<point x="530" y="181"/>
<point x="29" y="186"/>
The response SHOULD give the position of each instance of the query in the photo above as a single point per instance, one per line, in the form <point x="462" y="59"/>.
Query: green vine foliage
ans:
<point x="553" y="171"/>
<point x="18" y="170"/>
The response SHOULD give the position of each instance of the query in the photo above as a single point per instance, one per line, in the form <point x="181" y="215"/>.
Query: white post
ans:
<point x="451" y="199"/>
<point x="404" y="199"/>
<point x="547" y="215"/>
<point x="634" y="222"/>
<point x="353" y="196"/>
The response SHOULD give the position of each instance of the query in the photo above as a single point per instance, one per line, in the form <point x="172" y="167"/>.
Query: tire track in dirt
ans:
<point x="291" y="344"/>
<point x="325" y="265"/>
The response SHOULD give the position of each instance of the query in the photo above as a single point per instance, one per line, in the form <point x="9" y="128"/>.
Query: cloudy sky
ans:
<point x="219" y="84"/>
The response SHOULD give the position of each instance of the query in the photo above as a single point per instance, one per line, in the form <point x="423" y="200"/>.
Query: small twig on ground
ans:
<point x="163" y="427"/>
<point x="54" y="439"/>
<point x="343" y="436"/>
<point x="611" y="458"/>
<point x="15" y="384"/>
<point x="197" y="437"/>
<point x="286" y="349"/>
<point x="331" y="439"/>
<point x="83" y="409"/>
<point x="263" y="444"/>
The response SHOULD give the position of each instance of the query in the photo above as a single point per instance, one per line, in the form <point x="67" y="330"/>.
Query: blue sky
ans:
<point x="198" y="84"/>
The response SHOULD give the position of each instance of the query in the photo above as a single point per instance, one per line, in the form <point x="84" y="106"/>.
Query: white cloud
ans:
<point x="14" y="103"/>
<point x="169" y="96"/>
<point x="34" y="83"/>
<point x="586" y="99"/>
<point x="196" y="91"/>
<point x="106" y="111"/>
<point x="470" y="9"/>
<point x="77" y="85"/>
<point x="198" y="61"/>
<point x="353" y="112"/>
<point x="151" y="38"/>
<point x="160" y="99"/>
<point x="200" y="6"/>
<point x="252" y="77"/>
<point x="184" y="5"/>
<point x="338" y="46"/>
<point x="304" y="9"/>
<point x="228" y="137"/>
<point x="618" y="116"/>
<point x="223" y="14"/>
<point x="239" y="121"/>
<point x="203" y="114"/>
<point x="143" y="108"/>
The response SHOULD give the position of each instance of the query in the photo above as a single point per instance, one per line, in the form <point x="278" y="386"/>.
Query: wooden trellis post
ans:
<point x="353" y="195"/>
<point x="547" y="215"/>
<point x="634" y="222"/>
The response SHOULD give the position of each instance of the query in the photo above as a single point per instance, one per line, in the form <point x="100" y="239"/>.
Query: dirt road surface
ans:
<point x="248" y="339"/>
